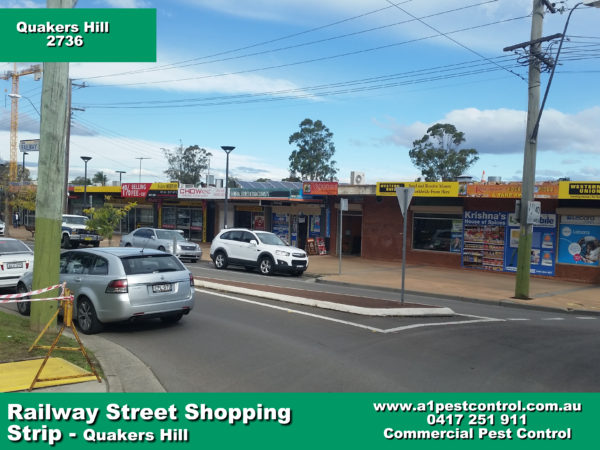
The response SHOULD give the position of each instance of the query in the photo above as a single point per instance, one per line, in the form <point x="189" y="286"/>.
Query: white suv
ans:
<point x="248" y="248"/>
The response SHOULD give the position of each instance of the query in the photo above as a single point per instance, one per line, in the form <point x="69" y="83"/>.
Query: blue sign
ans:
<point x="579" y="244"/>
<point x="543" y="246"/>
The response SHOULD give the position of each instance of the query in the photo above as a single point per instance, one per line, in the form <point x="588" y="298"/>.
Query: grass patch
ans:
<point x="16" y="338"/>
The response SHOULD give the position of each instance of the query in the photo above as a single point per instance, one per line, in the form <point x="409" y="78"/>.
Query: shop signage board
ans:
<point x="208" y="193"/>
<point x="149" y="190"/>
<point x="264" y="193"/>
<point x="579" y="240"/>
<point x="483" y="239"/>
<point x="320" y="187"/>
<point x="424" y="189"/>
<point x="135" y="190"/>
<point x="511" y="190"/>
<point x="582" y="190"/>
<point x="543" y="245"/>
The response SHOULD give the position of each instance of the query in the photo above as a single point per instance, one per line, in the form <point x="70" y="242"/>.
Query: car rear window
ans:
<point x="138" y="264"/>
<point x="13" y="246"/>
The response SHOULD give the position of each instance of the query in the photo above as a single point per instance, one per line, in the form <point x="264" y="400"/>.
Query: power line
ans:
<point x="308" y="61"/>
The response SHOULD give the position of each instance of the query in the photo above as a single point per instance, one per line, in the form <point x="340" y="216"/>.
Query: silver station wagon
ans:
<point x="112" y="284"/>
<point x="169" y="241"/>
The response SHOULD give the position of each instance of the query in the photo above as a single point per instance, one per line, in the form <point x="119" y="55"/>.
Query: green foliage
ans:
<point x="315" y="149"/>
<point x="100" y="178"/>
<point x="186" y="165"/>
<point x="436" y="154"/>
<point x="23" y="198"/>
<point x="106" y="219"/>
<point x="80" y="181"/>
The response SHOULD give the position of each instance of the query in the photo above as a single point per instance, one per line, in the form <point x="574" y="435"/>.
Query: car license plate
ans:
<point x="14" y="265"/>
<point x="88" y="238"/>
<point x="166" y="287"/>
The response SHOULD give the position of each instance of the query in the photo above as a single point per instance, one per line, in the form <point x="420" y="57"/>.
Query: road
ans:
<point x="232" y="343"/>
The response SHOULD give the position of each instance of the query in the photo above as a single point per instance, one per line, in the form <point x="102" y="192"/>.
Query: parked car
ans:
<point x="243" y="247"/>
<point x="16" y="258"/>
<point x="160" y="239"/>
<point x="2" y="227"/>
<point x="112" y="284"/>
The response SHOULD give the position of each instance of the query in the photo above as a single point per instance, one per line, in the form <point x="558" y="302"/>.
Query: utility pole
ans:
<point x="529" y="160"/>
<point x="68" y="146"/>
<point x="50" y="192"/>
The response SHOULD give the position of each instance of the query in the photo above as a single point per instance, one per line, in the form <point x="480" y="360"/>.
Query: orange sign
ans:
<point x="320" y="187"/>
<point x="510" y="190"/>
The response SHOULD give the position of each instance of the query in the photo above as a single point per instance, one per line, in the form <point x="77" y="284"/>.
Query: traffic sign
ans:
<point x="404" y="195"/>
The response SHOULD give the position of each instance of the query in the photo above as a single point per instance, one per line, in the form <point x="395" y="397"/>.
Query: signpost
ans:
<point x="343" y="207"/>
<point x="404" y="197"/>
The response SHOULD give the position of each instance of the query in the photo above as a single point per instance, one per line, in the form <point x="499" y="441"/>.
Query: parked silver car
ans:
<point x="112" y="284"/>
<point x="163" y="240"/>
<point x="16" y="258"/>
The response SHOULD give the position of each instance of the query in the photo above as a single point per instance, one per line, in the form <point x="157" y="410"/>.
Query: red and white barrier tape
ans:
<point x="13" y="298"/>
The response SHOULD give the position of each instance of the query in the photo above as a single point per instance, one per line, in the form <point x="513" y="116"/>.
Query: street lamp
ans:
<point x="534" y="134"/>
<point x="228" y="149"/>
<point x="140" y="176"/>
<point x="85" y="160"/>
<point x="23" y="174"/>
<point x="121" y="172"/>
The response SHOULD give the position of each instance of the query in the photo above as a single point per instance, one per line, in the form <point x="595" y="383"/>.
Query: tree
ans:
<point x="100" y="178"/>
<point x="80" y="181"/>
<point x="436" y="154"/>
<point x="186" y="165"/>
<point x="312" y="159"/>
<point x="106" y="219"/>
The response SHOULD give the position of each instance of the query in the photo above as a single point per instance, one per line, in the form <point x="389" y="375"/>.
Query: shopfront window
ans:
<point x="437" y="232"/>
<point x="169" y="219"/>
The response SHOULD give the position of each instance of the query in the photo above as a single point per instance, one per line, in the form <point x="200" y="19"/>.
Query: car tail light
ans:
<point x="27" y="265"/>
<point x="191" y="280"/>
<point x="117" y="287"/>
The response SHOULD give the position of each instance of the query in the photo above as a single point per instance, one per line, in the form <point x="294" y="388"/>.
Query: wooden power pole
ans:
<point x="51" y="173"/>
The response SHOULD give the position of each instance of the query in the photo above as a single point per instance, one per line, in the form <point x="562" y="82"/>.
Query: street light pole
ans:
<point x="121" y="172"/>
<point x="23" y="172"/>
<point x="140" y="175"/>
<point x="228" y="149"/>
<point x="534" y="114"/>
<point x="85" y="160"/>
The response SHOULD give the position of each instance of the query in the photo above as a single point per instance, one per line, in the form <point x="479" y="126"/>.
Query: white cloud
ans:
<point x="502" y="131"/>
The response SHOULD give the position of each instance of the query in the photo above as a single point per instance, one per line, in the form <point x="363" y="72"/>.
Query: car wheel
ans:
<point x="128" y="245"/>
<point x="96" y="244"/>
<point x="265" y="265"/>
<point x="23" y="307"/>
<point x="195" y="260"/>
<point x="171" y="318"/>
<point x="74" y="244"/>
<point x="86" y="317"/>
<point x="161" y="248"/>
<point x="66" y="241"/>
<point x="220" y="260"/>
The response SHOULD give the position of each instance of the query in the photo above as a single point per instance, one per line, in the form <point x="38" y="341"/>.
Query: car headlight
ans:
<point x="282" y="253"/>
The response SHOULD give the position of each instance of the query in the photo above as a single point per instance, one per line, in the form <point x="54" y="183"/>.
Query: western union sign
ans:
<point x="422" y="189"/>
<point x="584" y="190"/>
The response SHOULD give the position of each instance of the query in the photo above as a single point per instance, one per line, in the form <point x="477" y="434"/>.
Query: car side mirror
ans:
<point x="253" y="242"/>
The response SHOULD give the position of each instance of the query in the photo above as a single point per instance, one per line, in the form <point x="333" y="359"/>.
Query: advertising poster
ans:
<point x="579" y="240"/>
<point x="483" y="237"/>
<point x="456" y="236"/>
<point x="281" y="226"/>
<point x="543" y="245"/>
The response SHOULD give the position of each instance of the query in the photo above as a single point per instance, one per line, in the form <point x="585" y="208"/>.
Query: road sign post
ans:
<point x="343" y="207"/>
<point x="404" y="197"/>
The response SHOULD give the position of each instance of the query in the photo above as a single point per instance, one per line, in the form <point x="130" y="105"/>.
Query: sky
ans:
<point x="377" y="73"/>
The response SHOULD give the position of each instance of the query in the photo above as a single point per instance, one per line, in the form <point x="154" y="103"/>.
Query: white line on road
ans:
<point x="586" y="318"/>
<point x="477" y="319"/>
<point x="518" y="319"/>
<point x="554" y="318"/>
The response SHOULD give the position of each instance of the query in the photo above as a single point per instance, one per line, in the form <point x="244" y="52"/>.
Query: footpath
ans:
<point x="126" y="373"/>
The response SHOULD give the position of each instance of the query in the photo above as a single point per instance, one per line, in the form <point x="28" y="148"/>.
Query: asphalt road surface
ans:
<point x="232" y="343"/>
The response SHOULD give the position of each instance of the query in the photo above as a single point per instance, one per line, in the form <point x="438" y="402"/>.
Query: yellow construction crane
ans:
<point x="14" y="75"/>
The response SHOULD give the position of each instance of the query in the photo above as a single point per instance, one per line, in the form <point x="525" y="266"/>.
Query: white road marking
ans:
<point x="586" y="318"/>
<point x="554" y="318"/>
<point x="518" y="319"/>
<point x="477" y="319"/>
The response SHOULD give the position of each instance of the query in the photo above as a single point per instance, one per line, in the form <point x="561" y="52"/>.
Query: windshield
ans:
<point x="10" y="246"/>
<point x="270" y="239"/>
<point x="75" y="220"/>
<point x="169" y="234"/>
